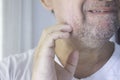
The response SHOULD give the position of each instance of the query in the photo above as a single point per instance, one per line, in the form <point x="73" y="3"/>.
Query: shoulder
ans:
<point x="15" y="66"/>
<point x="112" y="67"/>
<point x="116" y="56"/>
<point x="18" y="58"/>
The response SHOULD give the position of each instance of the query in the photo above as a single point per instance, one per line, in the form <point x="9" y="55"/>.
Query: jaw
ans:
<point x="88" y="43"/>
<point x="88" y="56"/>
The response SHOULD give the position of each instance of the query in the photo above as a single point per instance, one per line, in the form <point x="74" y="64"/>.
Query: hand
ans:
<point x="44" y="67"/>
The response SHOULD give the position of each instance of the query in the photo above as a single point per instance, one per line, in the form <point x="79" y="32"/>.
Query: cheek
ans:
<point x="73" y="17"/>
<point x="105" y="20"/>
<point x="62" y="10"/>
<point x="70" y="12"/>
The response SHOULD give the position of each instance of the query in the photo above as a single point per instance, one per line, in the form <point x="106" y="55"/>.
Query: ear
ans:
<point x="47" y="4"/>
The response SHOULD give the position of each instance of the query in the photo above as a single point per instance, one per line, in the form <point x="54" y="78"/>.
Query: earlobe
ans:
<point x="47" y="4"/>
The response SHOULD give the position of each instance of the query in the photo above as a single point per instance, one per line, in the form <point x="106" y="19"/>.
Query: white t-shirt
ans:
<point x="19" y="67"/>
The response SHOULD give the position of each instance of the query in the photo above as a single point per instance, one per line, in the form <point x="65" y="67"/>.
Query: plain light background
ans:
<point x="23" y="22"/>
<point x="1" y="29"/>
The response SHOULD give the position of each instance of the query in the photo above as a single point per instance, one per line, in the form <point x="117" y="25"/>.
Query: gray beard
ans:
<point x="93" y="36"/>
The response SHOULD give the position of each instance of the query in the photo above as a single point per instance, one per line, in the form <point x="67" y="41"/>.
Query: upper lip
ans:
<point x="102" y="10"/>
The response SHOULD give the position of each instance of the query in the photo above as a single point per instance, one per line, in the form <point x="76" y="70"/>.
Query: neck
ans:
<point x="92" y="57"/>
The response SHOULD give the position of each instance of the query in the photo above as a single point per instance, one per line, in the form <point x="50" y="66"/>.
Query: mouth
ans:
<point x="102" y="11"/>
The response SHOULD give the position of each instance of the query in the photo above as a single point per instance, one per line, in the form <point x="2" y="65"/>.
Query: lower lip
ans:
<point x="106" y="12"/>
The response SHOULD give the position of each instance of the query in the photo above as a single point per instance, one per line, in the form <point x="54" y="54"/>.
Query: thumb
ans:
<point x="72" y="62"/>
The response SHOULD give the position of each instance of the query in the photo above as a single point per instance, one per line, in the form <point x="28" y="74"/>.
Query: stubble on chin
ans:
<point x="93" y="34"/>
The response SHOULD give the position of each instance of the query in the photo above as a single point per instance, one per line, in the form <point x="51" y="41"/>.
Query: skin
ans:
<point x="84" y="37"/>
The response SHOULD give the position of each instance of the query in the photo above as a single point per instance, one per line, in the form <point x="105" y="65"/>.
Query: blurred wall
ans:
<point x="23" y="23"/>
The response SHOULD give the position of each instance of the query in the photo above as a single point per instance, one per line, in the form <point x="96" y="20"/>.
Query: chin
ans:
<point x="93" y="37"/>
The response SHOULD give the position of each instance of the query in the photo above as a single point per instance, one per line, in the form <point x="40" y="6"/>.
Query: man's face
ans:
<point x="90" y="19"/>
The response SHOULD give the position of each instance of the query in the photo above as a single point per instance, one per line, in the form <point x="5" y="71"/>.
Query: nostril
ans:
<point x="90" y="11"/>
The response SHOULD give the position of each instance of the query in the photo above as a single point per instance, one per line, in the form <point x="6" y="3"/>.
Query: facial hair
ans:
<point x="95" y="28"/>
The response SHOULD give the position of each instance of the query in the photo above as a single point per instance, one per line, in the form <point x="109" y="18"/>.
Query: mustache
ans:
<point x="105" y="4"/>
<point x="110" y="3"/>
<point x="95" y="4"/>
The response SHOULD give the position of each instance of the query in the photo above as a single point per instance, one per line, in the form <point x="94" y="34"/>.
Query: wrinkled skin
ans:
<point x="78" y="25"/>
<point x="87" y="27"/>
